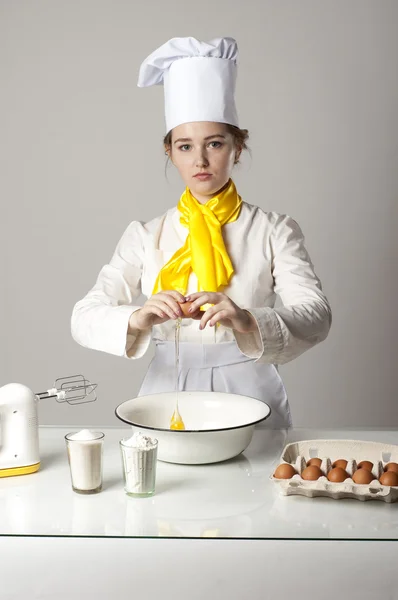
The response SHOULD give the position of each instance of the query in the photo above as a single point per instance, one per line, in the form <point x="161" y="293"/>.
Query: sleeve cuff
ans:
<point x="267" y="339"/>
<point x="250" y="344"/>
<point x="112" y="337"/>
<point x="137" y="343"/>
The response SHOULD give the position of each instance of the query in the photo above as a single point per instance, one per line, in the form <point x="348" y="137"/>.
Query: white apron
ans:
<point x="218" y="368"/>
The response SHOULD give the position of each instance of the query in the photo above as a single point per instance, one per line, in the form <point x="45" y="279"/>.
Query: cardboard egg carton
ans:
<point x="354" y="451"/>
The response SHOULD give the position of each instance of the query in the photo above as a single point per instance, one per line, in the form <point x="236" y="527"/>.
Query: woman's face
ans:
<point x="203" y="148"/>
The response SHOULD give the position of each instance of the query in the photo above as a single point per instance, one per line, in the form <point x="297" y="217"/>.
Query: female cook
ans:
<point x="229" y="258"/>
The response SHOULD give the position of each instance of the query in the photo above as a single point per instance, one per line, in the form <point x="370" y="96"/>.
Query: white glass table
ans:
<point x="215" y="518"/>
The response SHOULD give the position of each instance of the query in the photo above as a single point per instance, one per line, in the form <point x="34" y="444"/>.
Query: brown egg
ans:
<point x="341" y="462"/>
<point x="314" y="461"/>
<point x="391" y="467"/>
<point x="311" y="473"/>
<point x="389" y="478"/>
<point x="337" y="475"/>
<point x="365" y="464"/>
<point x="362" y="476"/>
<point x="284" y="471"/>
<point x="185" y="306"/>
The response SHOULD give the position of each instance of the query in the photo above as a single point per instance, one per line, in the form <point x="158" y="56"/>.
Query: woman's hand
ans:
<point x="157" y="309"/>
<point x="224" y="311"/>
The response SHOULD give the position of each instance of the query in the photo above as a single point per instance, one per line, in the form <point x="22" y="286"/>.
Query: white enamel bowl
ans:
<point x="218" y="425"/>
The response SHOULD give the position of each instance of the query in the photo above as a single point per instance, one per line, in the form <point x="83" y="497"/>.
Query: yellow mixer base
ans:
<point x="19" y="470"/>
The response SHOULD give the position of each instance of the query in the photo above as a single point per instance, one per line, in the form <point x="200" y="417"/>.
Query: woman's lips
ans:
<point x="203" y="176"/>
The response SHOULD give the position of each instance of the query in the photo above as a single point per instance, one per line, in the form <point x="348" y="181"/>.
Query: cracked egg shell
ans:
<point x="185" y="306"/>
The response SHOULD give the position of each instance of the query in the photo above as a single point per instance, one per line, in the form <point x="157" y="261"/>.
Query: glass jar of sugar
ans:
<point x="85" y="460"/>
<point x="139" y="458"/>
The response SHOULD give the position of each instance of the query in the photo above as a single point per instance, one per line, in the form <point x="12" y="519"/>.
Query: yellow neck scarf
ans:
<point x="204" y="250"/>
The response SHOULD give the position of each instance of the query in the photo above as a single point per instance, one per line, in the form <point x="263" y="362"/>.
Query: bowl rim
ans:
<point x="194" y="430"/>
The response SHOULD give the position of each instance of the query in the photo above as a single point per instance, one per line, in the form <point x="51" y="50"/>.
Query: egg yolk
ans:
<point x="176" y="422"/>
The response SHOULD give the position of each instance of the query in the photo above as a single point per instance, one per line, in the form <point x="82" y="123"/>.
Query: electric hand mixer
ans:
<point x="19" y="425"/>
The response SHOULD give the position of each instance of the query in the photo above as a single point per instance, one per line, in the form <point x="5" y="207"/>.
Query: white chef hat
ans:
<point x="198" y="77"/>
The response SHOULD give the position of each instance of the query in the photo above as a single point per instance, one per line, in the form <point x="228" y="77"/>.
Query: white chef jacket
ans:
<point x="269" y="258"/>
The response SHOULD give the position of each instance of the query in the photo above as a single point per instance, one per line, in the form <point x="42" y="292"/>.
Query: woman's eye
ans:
<point x="215" y="144"/>
<point x="185" y="147"/>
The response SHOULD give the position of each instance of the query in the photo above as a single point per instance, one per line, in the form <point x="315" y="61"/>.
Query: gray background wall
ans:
<point x="81" y="157"/>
